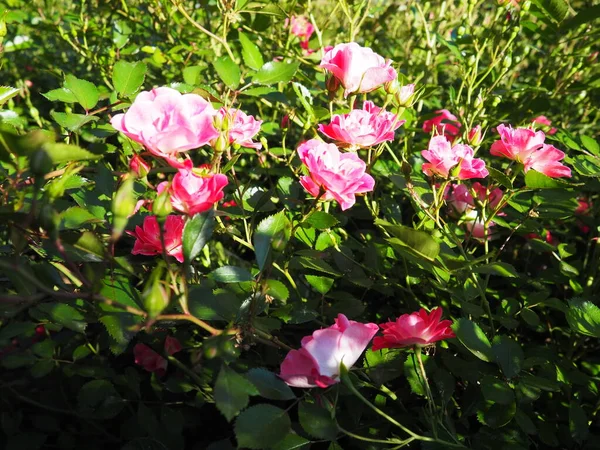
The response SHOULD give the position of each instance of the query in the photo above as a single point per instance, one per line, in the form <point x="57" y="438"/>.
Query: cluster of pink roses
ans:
<point x="333" y="175"/>
<point x="318" y="362"/>
<point x="168" y="124"/>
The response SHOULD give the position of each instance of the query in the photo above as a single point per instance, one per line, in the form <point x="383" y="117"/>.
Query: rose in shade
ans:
<point x="419" y="328"/>
<point x="444" y="123"/>
<point x="318" y="362"/>
<point x="150" y="360"/>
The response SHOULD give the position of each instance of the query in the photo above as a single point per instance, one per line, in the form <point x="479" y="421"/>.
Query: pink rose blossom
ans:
<point x="150" y="360"/>
<point x="358" y="69"/>
<point x="543" y="120"/>
<point x="517" y="143"/>
<point x="172" y="345"/>
<point x="167" y="122"/>
<point x="319" y="360"/>
<point x="301" y="27"/>
<point x="148" y="237"/>
<point x="139" y="166"/>
<point x="442" y="157"/>
<point x="444" y="123"/>
<point x="191" y="193"/>
<point x="547" y="161"/>
<point x="463" y="206"/>
<point x="340" y="175"/>
<point x="419" y="328"/>
<point x="242" y="127"/>
<point x="362" y="128"/>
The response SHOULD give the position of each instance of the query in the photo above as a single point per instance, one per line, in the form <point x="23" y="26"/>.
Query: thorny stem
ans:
<point x="430" y="402"/>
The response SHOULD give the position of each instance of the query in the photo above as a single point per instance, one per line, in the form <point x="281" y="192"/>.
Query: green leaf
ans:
<point x="65" y="315"/>
<point x="100" y="399"/>
<point x="321" y="284"/>
<point x="259" y="91"/>
<point x="191" y="74"/>
<point x="412" y="374"/>
<point x="85" y="92"/>
<point x="228" y="71"/>
<point x="498" y="268"/>
<point x="418" y="241"/>
<point x="537" y="180"/>
<point x="75" y="217"/>
<point x="70" y="121"/>
<point x="586" y="15"/>
<point x="277" y="289"/>
<point x="578" y="422"/>
<point x="496" y="390"/>
<point x="556" y="9"/>
<point x="322" y="220"/>
<point x="274" y="231"/>
<point x="591" y="144"/>
<point x="586" y="165"/>
<point x="269" y="385"/>
<point x="231" y="274"/>
<point x="128" y="77"/>
<point x="473" y="338"/>
<point x="584" y="317"/>
<point x="232" y="392"/>
<point x="497" y="415"/>
<point x="292" y="442"/>
<point x="317" y="421"/>
<point x="62" y="153"/>
<point x="508" y="354"/>
<point x="205" y="305"/>
<point x="275" y="72"/>
<point x="6" y="93"/>
<point x="60" y="95"/>
<point x="530" y="317"/>
<point x="250" y="52"/>
<point x="262" y="426"/>
<point x="500" y="178"/>
<point x="196" y="233"/>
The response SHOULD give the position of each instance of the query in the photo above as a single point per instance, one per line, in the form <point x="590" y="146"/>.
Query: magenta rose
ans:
<point x="148" y="237"/>
<point x="167" y="122"/>
<point x="339" y="175"/>
<point x="319" y="360"/>
<point x="442" y="157"/>
<point x="444" y="123"/>
<point x="358" y="69"/>
<point x="362" y="128"/>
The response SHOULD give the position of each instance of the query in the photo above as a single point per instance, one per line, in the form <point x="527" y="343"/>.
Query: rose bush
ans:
<point x="291" y="225"/>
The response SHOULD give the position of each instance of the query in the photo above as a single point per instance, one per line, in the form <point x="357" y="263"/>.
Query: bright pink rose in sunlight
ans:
<point x="167" y="122"/>
<point x="148" y="237"/>
<point x="543" y="120"/>
<point x="419" y="328"/>
<point x="517" y="143"/>
<point x="444" y="123"/>
<point x="358" y="69"/>
<point x="442" y="157"/>
<point x="318" y="362"/>
<point x="242" y="127"/>
<point x="191" y="193"/>
<point x="340" y="175"/>
<point x="362" y="128"/>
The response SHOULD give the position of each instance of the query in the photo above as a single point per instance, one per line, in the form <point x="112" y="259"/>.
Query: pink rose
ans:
<point x="167" y="122"/>
<point x="340" y="175"/>
<point x="362" y="128"/>
<point x="444" y="123"/>
<point x="517" y="143"/>
<point x="150" y="360"/>
<point x="241" y="127"/>
<point x="172" y="345"/>
<point x="463" y="205"/>
<point x="148" y="237"/>
<point x="443" y="157"/>
<point x="318" y="362"/>
<point x="358" y="69"/>
<point x="419" y="328"/>
<point x="191" y="193"/>
<point x="547" y="161"/>
<point x="543" y="120"/>
<point x="301" y="27"/>
<point x="139" y="166"/>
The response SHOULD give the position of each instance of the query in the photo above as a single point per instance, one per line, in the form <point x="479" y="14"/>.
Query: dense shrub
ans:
<point x="284" y="225"/>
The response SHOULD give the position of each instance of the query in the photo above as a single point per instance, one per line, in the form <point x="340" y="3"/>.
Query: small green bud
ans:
<point x="157" y="294"/>
<point x="221" y="144"/>
<point x="40" y="163"/>
<point x="123" y="205"/>
<point x="162" y="204"/>
<point x="48" y="217"/>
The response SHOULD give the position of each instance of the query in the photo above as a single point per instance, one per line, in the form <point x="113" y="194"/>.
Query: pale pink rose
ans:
<point x="546" y="160"/>
<point x="517" y="143"/>
<point x="319" y="360"/>
<point x="148" y="237"/>
<point x="191" y="193"/>
<point x="340" y="175"/>
<point x="405" y="95"/>
<point x="150" y="360"/>
<point x="475" y="137"/>
<point x="543" y="120"/>
<point x="139" y="166"/>
<point x="242" y="127"/>
<point x="300" y="26"/>
<point x="358" y="69"/>
<point x="444" y="123"/>
<point x="417" y="329"/>
<point x="443" y="157"/>
<point x="362" y="128"/>
<point x="167" y="122"/>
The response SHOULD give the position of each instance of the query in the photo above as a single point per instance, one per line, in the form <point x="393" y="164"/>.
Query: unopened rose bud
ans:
<point x="123" y="205"/>
<point x="332" y="84"/>
<point x="391" y="87"/>
<point x="405" y="95"/>
<point x="285" y="122"/>
<point x="138" y="166"/>
<point x="162" y="204"/>
<point x="507" y="62"/>
<point x="461" y="31"/>
<point x="218" y="122"/>
<point x="220" y="144"/>
<point x="475" y="136"/>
